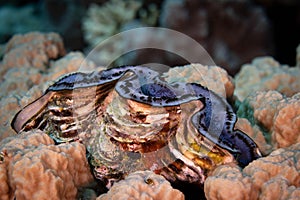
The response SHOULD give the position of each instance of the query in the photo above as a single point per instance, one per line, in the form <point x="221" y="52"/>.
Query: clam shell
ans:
<point x="131" y="119"/>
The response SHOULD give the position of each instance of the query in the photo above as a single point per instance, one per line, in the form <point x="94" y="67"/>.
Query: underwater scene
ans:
<point x="148" y="99"/>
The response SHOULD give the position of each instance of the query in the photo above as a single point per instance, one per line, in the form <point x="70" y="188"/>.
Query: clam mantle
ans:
<point x="131" y="119"/>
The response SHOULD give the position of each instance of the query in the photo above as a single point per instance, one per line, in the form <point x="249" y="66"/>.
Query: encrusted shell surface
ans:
<point x="131" y="119"/>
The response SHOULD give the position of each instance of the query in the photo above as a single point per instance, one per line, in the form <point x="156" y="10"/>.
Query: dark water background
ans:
<point x="237" y="31"/>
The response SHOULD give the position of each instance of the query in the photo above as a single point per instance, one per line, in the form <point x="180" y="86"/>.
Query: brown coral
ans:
<point x="276" y="114"/>
<point x="227" y="182"/>
<point x="255" y="133"/>
<point x="26" y="56"/>
<point x="274" y="177"/>
<point x="34" y="168"/>
<point x="142" y="185"/>
<point x="32" y="50"/>
<point x="213" y="77"/>
<point x="265" y="74"/>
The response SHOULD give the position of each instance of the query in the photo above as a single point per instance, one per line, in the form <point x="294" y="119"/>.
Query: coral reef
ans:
<point x="272" y="120"/>
<point x="210" y="23"/>
<point x="275" y="115"/>
<point x="270" y="101"/>
<point x="104" y="21"/>
<point x="36" y="49"/>
<point x="203" y="21"/>
<point x="273" y="177"/>
<point x="142" y="185"/>
<point x="31" y="158"/>
<point x="30" y="51"/>
<point x="30" y="63"/>
<point x="263" y="74"/>
<point x="255" y="132"/>
<point x="213" y="77"/>
<point x="213" y="24"/>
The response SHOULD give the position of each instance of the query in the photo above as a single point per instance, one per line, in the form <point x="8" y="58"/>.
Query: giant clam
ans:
<point x="131" y="119"/>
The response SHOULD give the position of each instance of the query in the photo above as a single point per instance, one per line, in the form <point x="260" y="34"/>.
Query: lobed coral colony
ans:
<point x="134" y="132"/>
